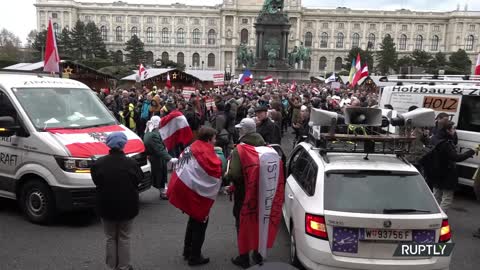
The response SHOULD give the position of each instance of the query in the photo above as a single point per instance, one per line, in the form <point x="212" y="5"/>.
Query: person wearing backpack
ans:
<point x="442" y="166"/>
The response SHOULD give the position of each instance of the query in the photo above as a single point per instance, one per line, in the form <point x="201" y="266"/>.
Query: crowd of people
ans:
<point x="220" y="120"/>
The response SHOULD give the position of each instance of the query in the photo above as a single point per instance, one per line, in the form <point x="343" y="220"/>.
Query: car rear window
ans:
<point x="374" y="192"/>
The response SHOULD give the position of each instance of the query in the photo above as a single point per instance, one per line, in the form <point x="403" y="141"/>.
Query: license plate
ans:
<point x="386" y="235"/>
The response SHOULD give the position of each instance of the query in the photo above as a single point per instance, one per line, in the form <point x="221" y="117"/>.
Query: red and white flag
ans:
<point x="52" y="59"/>
<point x="268" y="80"/>
<point x="477" y="66"/>
<point x="315" y="90"/>
<point x="261" y="213"/>
<point x="174" y="130"/>
<point x="142" y="72"/>
<point x="169" y="83"/>
<point x="195" y="183"/>
<point x="88" y="142"/>
<point x="293" y="87"/>
<point x="363" y="73"/>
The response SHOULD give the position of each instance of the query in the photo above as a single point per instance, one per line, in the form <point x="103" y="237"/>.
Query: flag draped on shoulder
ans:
<point x="174" y="129"/>
<point x="50" y="63"/>
<point x="195" y="183"/>
<point x="264" y="186"/>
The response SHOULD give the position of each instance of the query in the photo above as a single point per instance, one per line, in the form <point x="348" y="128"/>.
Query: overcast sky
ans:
<point x="19" y="16"/>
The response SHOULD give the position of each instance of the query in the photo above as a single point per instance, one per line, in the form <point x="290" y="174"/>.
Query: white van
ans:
<point x="51" y="130"/>
<point x="460" y="102"/>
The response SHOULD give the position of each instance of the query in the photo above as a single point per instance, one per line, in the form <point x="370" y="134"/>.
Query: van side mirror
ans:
<point x="8" y="127"/>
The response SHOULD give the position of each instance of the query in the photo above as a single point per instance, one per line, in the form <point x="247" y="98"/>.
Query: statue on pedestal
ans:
<point x="272" y="57"/>
<point x="299" y="55"/>
<point x="272" y="6"/>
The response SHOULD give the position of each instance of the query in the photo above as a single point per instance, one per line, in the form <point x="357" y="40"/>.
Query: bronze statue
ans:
<point x="272" y="57"/>
<point x="272" y="6"/>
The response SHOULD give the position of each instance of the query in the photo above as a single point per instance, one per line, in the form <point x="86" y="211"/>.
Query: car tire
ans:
<point x="293" y="249"/>
<point x="37" y="202"/>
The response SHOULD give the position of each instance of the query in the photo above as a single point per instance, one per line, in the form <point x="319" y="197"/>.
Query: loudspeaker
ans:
<point x="420" y="117"/>
<point x="320" y="117"/>
<point x="363" y="116"/>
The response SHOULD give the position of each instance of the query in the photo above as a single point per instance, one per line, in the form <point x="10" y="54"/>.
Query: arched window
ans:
<point x="355" y="40"/>
<point x="196" y="36"/>
<point x="103" y="32"/>
<point x="244" y="36"/>
<point x="308" y="39"/>
<point x="338" y="63"/>
<point x="323" y="63"/>
<point x="419" y="42"/>
<point x="150" y="35"/>
<point x="180" y="58"/>
<point x="165" y="37"/>
<point x="211" y="37"/>
<point x="119" y="34"/>
<point x="371" y="41"/>
<point x="180" y="36"/>
<point x="211" y="60"/>
<point x="403" y="42"/>
<point x="165" y="57"/>
<point x="470" y="41"/>
<point x="324" y="40"/>
<point x="339" y="44"/>
<point x="56" y="29"/>
<point x="435" y="41"/>
<point x="196" y="60"/>
<point x="149" y="56"/>
<point x="134" y="31"/>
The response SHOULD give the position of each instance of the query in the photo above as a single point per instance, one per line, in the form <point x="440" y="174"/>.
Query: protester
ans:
<point x="117" y="199"/>
<point x="193" y="189"/>
<point x="266" y="127"/>
<point x="158" y="156"/>
<point x="442" y="168"/>
<point x="248" y="135"/>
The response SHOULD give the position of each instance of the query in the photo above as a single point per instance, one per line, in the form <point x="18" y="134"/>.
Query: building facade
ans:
<point x="207" y="37"/>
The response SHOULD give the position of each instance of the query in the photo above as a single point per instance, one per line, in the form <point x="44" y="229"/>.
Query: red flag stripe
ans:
<point x="183" y="136"/>
<point x="166" y="119"/>
<point x="86" y="150"/>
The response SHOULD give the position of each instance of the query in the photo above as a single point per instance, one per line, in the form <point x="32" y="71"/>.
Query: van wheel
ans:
<point x="293" y="249"/>
<point x="37" y="202"/>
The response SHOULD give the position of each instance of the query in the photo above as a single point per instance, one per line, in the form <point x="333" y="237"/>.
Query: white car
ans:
<point x="347" y="212"/>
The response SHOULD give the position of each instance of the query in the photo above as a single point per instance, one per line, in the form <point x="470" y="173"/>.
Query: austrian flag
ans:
<point x="195" y="183"/>
<point x="174" y="130"/>
<point x="264" y="186"/>
<point x="88" y="142"/>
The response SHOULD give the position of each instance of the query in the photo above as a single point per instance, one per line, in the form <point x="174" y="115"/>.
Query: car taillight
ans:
<point x="445" y="232"/>
<point x="315" y="226"/>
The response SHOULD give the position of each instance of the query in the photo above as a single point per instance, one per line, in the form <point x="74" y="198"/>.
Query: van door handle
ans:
<point x="290" y="196"/>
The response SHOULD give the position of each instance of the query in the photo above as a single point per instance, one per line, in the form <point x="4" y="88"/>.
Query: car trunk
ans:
<point x="364" y="236"/>
<point x="368" y="213"/>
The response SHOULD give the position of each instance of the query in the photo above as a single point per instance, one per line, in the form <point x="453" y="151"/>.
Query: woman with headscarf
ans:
<point x="158" y="155"/>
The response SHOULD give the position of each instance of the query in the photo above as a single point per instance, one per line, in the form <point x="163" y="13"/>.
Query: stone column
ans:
<point x="261" y="45"/>
<point x="257" y="53"/>
<point x="286" y="45"/>
<point x="282" y="46"/>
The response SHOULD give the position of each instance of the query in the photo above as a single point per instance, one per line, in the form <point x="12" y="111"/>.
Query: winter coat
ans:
<point x="158" y="156"/>
<point x="117" y="178"/>
<point x="270" y="132"/>
<point x="145" y="111"/>
<point x="444" y="174"/>
<point x="235" y="174"/>
<point x="221" y="156"/>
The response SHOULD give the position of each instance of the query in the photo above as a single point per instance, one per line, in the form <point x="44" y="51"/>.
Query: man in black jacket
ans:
<point x="117" y="177"/>
<point x="266" y="127"/>
<point x="443" y="171"/>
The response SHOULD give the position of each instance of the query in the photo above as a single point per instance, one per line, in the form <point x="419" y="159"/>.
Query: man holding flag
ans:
<point x="193" y="189"/>
<point x="255" y="168"/>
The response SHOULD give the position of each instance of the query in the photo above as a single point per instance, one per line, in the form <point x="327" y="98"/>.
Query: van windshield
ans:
<point x="63" y="108"/>
<point x="377" y="192"/>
